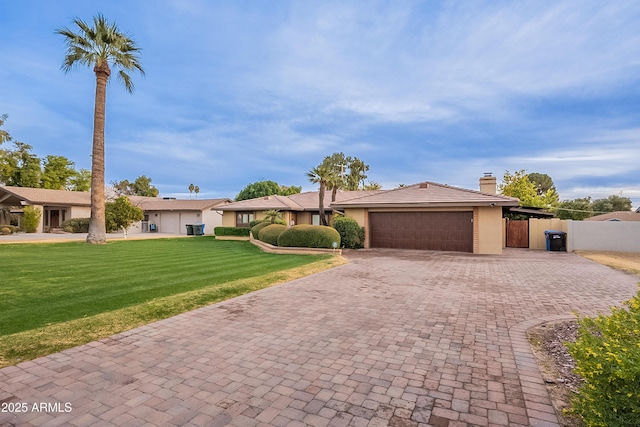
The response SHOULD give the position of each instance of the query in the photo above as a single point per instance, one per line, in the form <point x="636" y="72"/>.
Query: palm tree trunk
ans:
<point x="323" y="218"/>
<point x="97" y="228"/>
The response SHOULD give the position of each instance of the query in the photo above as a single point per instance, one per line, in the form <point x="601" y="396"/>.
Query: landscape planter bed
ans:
<point x="291" y="250"/>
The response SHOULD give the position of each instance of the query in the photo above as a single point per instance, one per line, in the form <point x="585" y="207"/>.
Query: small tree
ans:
<point x="31" y="218"/>
<point x="273" y="215"/>
<point x="121" y="214"/>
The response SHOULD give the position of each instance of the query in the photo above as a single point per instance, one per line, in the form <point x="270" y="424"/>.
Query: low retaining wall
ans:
<point x="292" y="251"/>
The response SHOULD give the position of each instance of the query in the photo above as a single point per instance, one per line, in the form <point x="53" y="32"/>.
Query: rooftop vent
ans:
<point x="168" y="198"/>
<point x="424" y="185"/>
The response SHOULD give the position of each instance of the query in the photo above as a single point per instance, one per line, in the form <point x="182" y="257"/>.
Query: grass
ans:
<point x="56" y="296"/>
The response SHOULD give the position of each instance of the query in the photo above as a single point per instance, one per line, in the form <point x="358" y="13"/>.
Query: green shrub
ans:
<point x="607" y="355"/>
<point x="8" y="229"/>
<point x="76" y="225"/>
<point x="259" y="226"/>
<point x="351" y="234"/>
<point x="255" y="222"/>
<point x="270" y="233"/>
<point x="309" y="236"/>
<point x="231" y="231"/>
<point x="31" y="218"/>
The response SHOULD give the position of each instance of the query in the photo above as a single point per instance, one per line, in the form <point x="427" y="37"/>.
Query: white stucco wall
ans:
<point x="620" y="236"/>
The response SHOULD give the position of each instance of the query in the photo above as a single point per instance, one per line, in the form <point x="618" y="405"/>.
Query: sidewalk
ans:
<point x="71" y="237"/>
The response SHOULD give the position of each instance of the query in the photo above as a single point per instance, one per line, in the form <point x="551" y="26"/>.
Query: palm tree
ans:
<point x="196" y="190"/>
<point x="272" y="215"/>
<point x="321" y="174"/>
<point x="191" y="188"/>
<point x="100" y="46"/>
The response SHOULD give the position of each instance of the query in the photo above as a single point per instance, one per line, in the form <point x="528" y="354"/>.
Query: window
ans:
<point x="243" y="219"/>
<point x="315" y="219"/>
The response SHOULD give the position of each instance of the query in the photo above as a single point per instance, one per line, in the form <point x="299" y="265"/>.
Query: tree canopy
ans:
<point x="121" y="214"/>
<point x="519" y="185"/>
<point x="613" y="203"/>
<point x="140" y="187"/>
<point x="266" y="188"/>
<point x="20" y="167"/>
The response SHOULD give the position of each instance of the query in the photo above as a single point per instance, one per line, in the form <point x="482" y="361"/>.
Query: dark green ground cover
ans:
<point x="44" y="284"/>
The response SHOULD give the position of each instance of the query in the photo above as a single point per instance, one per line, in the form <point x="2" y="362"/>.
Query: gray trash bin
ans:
<point x="189" y="230"/>
<point x="198" y="229"/>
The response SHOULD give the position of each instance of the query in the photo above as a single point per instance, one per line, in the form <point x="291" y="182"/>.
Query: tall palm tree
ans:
<point x="100" y="47"/>
<point x="191" y="188"/>
<point x="196" y="190"/>
<point x="321" y="174"/>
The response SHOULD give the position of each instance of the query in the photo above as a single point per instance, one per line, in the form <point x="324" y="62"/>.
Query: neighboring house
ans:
<point x="427" y="216"/>
<point x="301" y="208"/>
<point x="432" y="216"/>
<point x="166" y="215"/>
<point x="57" y="206"/>
<point x="616" y="216"/>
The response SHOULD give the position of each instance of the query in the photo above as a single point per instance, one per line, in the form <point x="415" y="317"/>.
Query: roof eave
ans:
<point x="424" y="205"/>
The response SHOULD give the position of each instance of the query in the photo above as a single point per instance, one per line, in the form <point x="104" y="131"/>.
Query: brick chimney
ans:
<point x="488" y="183"/>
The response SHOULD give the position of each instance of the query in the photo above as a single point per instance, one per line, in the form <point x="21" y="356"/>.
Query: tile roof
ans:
<point x="616" y="216"/>
<point x="40" y="196"/>
<point x="428" y="194"/>
<point x="307" y="201"/>
<point x="160" y="204"/>
<point x="282" y="203"/>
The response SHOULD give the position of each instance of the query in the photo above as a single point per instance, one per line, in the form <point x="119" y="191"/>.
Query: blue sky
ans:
<point x="242" y="91"/>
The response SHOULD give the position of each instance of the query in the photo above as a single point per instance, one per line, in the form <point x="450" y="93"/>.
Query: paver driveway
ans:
<point x="393" y="338"/>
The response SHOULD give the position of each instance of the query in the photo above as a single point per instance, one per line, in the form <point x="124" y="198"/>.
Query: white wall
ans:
<point x="620" y="236"/>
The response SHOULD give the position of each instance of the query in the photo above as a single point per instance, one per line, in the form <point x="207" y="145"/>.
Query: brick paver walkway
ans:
<point x="395" y="338"/>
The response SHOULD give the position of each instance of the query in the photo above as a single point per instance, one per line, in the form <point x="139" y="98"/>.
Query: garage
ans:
<point x="437" y="231"/>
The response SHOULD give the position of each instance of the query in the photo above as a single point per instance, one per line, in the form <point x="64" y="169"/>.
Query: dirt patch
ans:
<point x="625" y="261"/>
<point x="557" y="365"/>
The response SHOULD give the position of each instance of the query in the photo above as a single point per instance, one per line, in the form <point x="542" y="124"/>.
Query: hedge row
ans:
<point x="298" y="236"/>
<point x="271" y="233"/>
<point x="76" y="225"/>
<point x="231" y="231"/>
<point x="309" y="236"/>
<point x="257" y="227"/>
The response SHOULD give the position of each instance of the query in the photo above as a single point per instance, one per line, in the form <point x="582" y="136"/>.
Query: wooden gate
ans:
<point x="517" y="233"/>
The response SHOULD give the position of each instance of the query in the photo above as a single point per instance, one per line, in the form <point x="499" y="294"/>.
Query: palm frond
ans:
<point x="101" y="43"/>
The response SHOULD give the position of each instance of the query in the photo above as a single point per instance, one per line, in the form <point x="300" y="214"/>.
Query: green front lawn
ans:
<point x="54" y="296"/>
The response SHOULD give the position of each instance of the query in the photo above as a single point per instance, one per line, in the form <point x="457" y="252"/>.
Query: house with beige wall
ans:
<point x="427" y="216"/>
<point x="301" y="208"/>
<point x="166" y="215"/>
<point x="432" y="216"/>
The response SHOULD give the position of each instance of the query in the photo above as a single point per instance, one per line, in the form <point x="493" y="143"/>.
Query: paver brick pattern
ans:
<point x="394" y="338"/>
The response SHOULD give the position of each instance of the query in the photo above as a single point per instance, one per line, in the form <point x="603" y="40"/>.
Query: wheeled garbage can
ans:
<point x="556" y="240"/>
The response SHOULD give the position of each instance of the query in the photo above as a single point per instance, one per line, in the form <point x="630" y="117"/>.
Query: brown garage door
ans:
<point x="436" y="231"/>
